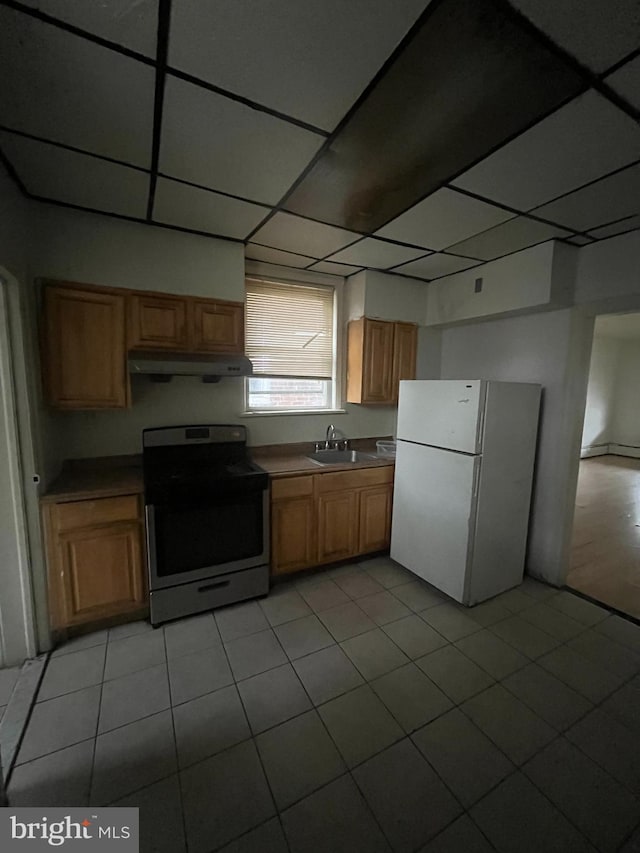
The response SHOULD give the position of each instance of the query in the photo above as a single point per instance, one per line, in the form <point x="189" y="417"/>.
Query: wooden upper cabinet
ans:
<point x="405" y="346"/>
<point x="158" y="322"/>
<point x="218" y="326"/>
<point x="379" y="353"/>
<point x="84" y="349"/>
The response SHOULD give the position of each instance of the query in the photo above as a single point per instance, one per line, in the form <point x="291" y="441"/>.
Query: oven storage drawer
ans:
<point x="197" y="596"/>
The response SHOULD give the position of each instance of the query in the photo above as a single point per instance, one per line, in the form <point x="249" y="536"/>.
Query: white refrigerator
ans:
<point x="463" y="479"/>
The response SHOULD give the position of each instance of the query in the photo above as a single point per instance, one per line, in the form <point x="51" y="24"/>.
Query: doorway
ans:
<point x="605" y="550"/>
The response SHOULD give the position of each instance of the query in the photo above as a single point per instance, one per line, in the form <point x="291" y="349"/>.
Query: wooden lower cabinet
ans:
<point x="96" y="569"/>
<point x="375" y="518"/>
<point x="324" y="518"/>
<point x="292" y="535"/>
<point x="337" y="526"/>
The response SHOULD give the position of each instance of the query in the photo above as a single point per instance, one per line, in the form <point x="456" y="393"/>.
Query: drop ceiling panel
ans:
<point x="376" y="253"/>
<point x="335" y="269"/>
<point x="599" y="203"/>
<point x="61" y="175"/>
<point x="444" y="218"/>
<point x="436" y="265"/>
<point x="470" y="77"/>
<point x="598" y="33"/>
<point x="628" y="224"/>
<point x="295" y="234"/>
<point x="587" y="138"/>
<point x="224" y="145"/>
<point x="132" y="24"/>
<point x="509" y="237"/>
<point x="306" y="59"/>
<point x="202" y="210"/>
<point x="69" y="90"/>
<point x="276" y="256"/>
<point x="626" y="81"/>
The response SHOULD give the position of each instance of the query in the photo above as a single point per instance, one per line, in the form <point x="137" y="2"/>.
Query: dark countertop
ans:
<point x="104" y="477"/>
<point x="110" y="476"/>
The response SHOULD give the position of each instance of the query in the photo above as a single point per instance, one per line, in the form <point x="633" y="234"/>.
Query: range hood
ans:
<point x="161" y="366"/>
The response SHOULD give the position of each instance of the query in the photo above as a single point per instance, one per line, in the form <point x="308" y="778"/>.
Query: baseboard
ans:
<point x="625" y="450"/>
<point x="595" y="450"/>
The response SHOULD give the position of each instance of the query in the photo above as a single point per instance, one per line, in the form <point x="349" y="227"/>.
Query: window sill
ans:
<point x="279" y="412"/>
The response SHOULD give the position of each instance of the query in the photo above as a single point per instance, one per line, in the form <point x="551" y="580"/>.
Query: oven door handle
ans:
<point x="216" y="585"/>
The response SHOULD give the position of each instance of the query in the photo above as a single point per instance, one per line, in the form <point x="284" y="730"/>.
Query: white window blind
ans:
<point x="289" y="329"/>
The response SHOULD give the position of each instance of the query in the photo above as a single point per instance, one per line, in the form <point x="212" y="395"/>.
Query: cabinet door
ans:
<point x="157" y="322"/>
<point x="337" y="526"/>
<point x="377" y="386"/>
<point x="405" y="343"/>
<point x="292" y="534"/>
<point x="218" y="326"/>
<point x="84" y="352"/>
<point x="375" y="519"/>
<point x="101" y="572"/>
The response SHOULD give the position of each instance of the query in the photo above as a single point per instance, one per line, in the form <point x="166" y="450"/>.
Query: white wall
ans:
<point x="547" y="349"/>
<point x="536" y="278"/>
<point x="608" y="275"/>
<point x="625" y="429"/>
<point x="86" y="247"/>
<point x="598" y="417"/>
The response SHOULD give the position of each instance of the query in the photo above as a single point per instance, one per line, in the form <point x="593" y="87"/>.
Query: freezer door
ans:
<point x="442" y="413"/>
<point x="434" y="508"/>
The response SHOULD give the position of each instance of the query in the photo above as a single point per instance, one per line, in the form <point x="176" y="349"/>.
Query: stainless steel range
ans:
<point x="207" y="515"/>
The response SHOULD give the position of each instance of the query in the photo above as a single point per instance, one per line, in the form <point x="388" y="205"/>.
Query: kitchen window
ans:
<point x="290" y="334"/>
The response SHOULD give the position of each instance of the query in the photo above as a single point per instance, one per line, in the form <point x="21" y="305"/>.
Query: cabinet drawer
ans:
<point x="353" y="479"/>
<point x="291" y="487"/>
<point x="71" y="516"/>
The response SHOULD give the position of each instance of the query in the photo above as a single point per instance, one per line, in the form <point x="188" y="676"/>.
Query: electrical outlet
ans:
<point x="477" y="286"/>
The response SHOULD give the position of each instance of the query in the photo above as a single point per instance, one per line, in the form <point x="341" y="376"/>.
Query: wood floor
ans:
<point x="605" y="555"/>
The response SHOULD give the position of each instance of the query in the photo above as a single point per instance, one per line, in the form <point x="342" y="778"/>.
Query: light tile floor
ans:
<point x="355" y="710"/>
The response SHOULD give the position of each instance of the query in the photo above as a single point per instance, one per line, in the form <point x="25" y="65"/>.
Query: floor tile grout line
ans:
<point x="95" y="737"/>
<point x="175" y="741"/>
<point x="255" y="746"/>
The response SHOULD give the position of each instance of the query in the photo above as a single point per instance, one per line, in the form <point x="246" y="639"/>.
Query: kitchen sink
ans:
<point x="333" y="457"/>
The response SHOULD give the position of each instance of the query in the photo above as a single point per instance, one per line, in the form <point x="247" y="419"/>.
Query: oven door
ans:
<point x="189" y="542"/>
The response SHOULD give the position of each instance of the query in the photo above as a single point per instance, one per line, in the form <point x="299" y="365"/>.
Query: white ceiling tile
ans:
<point x="295" y="234"/>
<point x="626" y="81"/>
<point x="202" y="210"/>
<point x="599" y="203"/>
<point x="69" y="90"/>
<point x="224" y="145"/>
<point x="62" y="175"/>
<point x="436" y="265"/>
<point x="335" y="269"/>
<point x="308" y="59"/>
<point x="597" y="32"/>
<point x="376" y="253"/>
<point x="628" y="224"/>
<point x="587" y="138"/>
<point x="132" y="24"/>
<point x="444" y="218"/>
<point x="509" y="237"/>
<point x="276" y="256"/>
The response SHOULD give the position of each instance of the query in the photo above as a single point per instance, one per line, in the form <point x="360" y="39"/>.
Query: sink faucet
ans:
<point x="331" y="435"/>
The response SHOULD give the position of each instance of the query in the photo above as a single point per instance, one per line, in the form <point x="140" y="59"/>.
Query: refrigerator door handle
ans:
<point x="480" y="432"/>
<point x="476" y="479"/>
